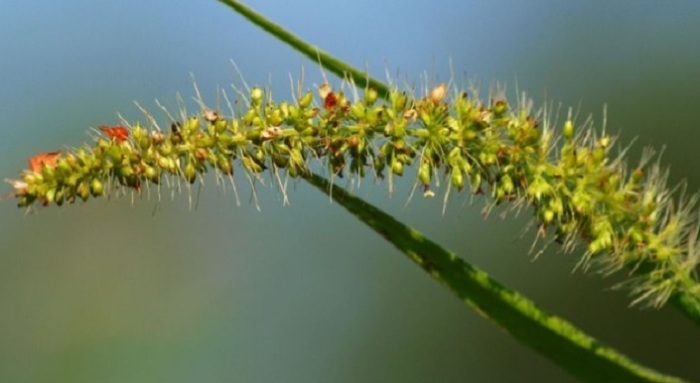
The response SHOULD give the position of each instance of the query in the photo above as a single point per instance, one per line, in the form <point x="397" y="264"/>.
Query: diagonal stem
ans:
<point x="551" y="336"/>
<point x="332" y="64"/>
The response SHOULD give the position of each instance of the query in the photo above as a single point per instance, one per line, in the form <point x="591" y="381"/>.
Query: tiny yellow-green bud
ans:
<point x="594" y="247"/>
<point x="358" y="111"/>
<point x="294" y="113"/>
<point x="47" y="172"/>
<point x="152" y="174"/>
<point x="284" y="109"/>
<point x="636" y="235"/>
<point x="163" y="162"/>
<point x="399" y="129"/>
<point x="224" y="164"/>
<point x="275" y="118"/>
<point x="568" y="129"/>
<point x="466" y="167"/>
<point x="83" y="191"/>
<point x="296" y="157"/>
<point x="166" y="149"/>
<point x="397" y="167"/>
<point x="256" y="95"/>
<point x="457" y="178"/>
<point x="499" y="108"/>
<point x="70" y="159"/>
<point x="96" y="187"/>
<point x="50" y="196"/>
<point x="371" y="96"/>
<point x="455" y="155"/>
<point x="220" y="126"/>
<point x="251" y="165"/>
<point x="404" y="157"/>
<point x="398" y="100"/>
<point x="425" y="117"/>
<point x="204" y="141"/>
<point x="557" y="206"/>
<point x="126" y="171"/>
<point x="138" y="132"/>
<point x="361" y="144"/>
<point x="172" y="165"/>
<point x="190" y="172"/>
<point x="305" y="100"/>
<point x="424" y="173"/>
<point x="599" y="155"/>
<point x="476" y="182"/>
<point x="279" y="160"/>
<point x="311" y="113"/>
<point x="72" y="179"/>
<point x="547" y="216"/>
<point x="374" y="114"/>
<point x="192" y="125"/>
<point x="60" y="196"/>
<point x="63" y="167"/>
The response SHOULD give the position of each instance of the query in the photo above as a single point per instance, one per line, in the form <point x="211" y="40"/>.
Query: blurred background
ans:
<point x="111" y="291"/>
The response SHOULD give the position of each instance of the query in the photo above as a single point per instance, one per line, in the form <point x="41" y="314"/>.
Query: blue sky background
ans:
<point x="111" y="292"/>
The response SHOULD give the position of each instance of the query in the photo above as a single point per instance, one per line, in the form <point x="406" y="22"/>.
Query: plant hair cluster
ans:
<point x="579" y="191"/>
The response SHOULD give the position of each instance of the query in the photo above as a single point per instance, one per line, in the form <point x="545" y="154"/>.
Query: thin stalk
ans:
<point x="330" y="63"/>
<point x="687" y="303"/>
<point x="551" y="336"/>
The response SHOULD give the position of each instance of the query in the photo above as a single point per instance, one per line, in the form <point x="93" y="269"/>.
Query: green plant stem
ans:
<point x="551" y="336"/>
<point x="689" y="304"/>
<point x="334" y="65"/>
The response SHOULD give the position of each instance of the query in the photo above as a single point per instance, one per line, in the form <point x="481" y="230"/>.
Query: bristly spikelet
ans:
<point x="577" y="190"/>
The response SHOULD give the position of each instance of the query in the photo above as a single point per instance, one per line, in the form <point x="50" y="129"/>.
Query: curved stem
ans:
<point x="688" y="303"/>
<point x="689" y="306"/>
<point x="333" y="64"/>
<point x="551" y="336"/>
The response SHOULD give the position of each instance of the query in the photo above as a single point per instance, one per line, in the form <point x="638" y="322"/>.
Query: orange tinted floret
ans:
<point x="44" y="159"/>
<point x="117" y="133"/>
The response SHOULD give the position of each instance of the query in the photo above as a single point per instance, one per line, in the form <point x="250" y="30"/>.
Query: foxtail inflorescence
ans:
<point x="578" y="191"/>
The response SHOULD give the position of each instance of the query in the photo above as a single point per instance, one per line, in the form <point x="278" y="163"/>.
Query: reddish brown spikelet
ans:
<point x="48" y="159"/>
<point x="117" y="133"/>
<point x="330" y="101"/>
